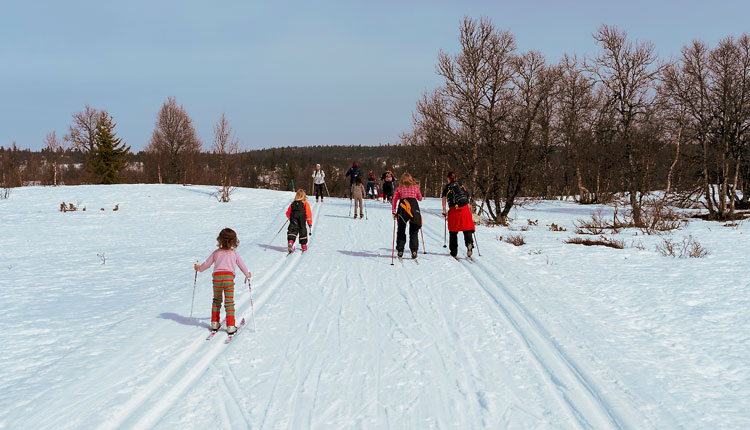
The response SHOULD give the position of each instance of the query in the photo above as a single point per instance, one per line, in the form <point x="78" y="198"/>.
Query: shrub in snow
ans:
<point x="688" y="248"/>
<point x="555" y="227"/>
<point x="515" y="239"/>
<point x="597" y="225"/>
<point x="67" y="207"/>
<point x="657" y="218"/>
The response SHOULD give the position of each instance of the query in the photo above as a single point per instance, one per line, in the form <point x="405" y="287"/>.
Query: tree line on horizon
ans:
<point x="511" y="124"/>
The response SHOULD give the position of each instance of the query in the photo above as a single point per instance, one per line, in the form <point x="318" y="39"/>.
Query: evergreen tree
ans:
<point x="110" y="154"/>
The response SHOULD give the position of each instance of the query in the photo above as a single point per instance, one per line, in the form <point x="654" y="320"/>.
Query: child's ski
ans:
<point x="213" y="333"/>
<point x="231" y="336"/>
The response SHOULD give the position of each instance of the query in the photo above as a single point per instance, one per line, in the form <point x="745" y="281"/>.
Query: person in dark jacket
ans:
<point x="371" y="182"/>
<point x="459" y="216"/>
<point x="388" y="180"/>
<point x="352" y="173"/>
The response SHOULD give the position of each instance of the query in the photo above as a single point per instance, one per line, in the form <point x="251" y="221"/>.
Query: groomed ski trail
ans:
<point x="145" y="408"/>
<point x="573" y="387"/>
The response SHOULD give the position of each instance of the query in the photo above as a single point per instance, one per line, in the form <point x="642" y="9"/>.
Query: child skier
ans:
<point x="358" y="192"/>
<point x="298" y="213"/>
<point x="224" y="259"/>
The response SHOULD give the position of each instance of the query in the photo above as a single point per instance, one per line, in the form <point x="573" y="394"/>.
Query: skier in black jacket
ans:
<point x="353" y="173"/>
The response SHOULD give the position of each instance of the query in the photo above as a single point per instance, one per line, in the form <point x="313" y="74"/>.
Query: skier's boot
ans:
<point x="361" y="216"/>
<point x="304" y="247"/>
<point x="215" y="326"/>
<point x="400" y="254"/>
<point x="469" y="248"/>
<point x="290" y="246"/>
<point x="355" y="216"/>
<point x="231" y="330"/>
<point x="414" y="255"/>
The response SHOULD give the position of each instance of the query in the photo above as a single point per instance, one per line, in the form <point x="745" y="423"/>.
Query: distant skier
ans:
<point x="459" y="216"/>
<point x="358" y="192"/>
<point x="224" y="259"/>
<point x="388" y="181"/>
<point x="406" y="209"/>
<point x="319" y="178"/>
<point x="300" y="216"/>
<point x="371" y="183"/>
<point x="353" y="173"/>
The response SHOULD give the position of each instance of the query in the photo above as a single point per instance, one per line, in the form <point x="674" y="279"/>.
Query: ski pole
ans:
<point x="350" y="207"/>
<point x="329" y="194"/>
<point x="252" y="306"/>
<point x="195" y="282"/>
<point x="476" y="243"/>
<point x="421" y="230"/>
<point x="365" y="203"/>
<point x="293" y="185"/>
<point x="393" y="247"/>
<point x="277" y="233"/>
<point x="445" y="227"/>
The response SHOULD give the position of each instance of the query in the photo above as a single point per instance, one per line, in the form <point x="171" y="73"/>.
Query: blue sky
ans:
<point x="286" y="73"/>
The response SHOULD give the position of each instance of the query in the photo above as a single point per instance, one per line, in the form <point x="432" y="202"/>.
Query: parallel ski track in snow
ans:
<point x="149" y="405"/>
<point x="585" y="404"/>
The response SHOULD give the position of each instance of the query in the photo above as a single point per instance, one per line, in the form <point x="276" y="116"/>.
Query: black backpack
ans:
<point x="297" y="207"/>
<point x="457" y="195"/>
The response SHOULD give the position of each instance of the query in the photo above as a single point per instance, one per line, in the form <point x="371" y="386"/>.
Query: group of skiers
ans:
<point x="387" y="180"/>
<point x="404" y="207"/>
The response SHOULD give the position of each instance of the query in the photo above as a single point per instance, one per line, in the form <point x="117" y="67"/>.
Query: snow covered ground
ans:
<point x="545" y="335"/>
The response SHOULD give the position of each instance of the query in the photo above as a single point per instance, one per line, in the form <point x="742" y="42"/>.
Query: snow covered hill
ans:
<point x="96" y="314"/>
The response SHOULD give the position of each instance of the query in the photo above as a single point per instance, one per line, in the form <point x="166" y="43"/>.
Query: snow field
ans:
<point x="546" y="335"/>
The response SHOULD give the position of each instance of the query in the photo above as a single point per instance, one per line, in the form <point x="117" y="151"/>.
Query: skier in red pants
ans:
<point x="224" y="259"/>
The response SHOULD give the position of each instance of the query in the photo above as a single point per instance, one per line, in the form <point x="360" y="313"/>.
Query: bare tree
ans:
<point x="577" y="105"/>
<point x="462" y="119"/>
<point x="174" y="142"/>
<point x="55" y="147"/>
<point x="535" y="83"/>
<point x="627" y="72"/>
<point x="82" y="133"/>
<point x="226" y="146"/>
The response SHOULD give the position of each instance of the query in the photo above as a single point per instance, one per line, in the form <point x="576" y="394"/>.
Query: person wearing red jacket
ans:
<point x="300" y="216"/>
<point x="459" y="216"/>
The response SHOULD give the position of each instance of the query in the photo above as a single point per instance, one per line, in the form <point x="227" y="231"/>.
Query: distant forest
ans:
<point x="272" y="168"/>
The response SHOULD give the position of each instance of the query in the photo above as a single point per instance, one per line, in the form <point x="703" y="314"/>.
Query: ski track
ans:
<point x="145" y="409"/>
<point x="587" y="407"/>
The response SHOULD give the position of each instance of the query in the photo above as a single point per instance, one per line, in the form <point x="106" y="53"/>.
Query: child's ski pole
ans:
<point x="195" y="282"/>
<point x="277" y="233"/>
<point x="252" y="306"/>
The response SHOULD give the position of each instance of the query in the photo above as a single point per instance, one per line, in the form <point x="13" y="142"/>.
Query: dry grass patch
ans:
<point x="603" y="241"/>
